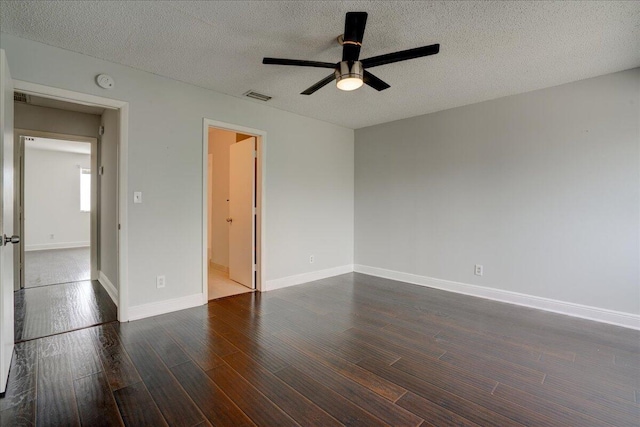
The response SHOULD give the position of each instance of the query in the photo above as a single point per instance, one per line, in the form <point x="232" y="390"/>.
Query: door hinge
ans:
<point x="255" y="267"/>
<point x="255" y="154"/>
<point x="101" y="130"/>
<point x="254" y="210"/>
<point x="118" y="226"/>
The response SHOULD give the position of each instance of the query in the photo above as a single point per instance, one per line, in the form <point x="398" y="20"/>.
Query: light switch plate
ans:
<point x="479" y="270"/>
<point x="137" y="197"/>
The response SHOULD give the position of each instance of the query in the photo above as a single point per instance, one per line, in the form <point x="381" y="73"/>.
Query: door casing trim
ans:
<point x="123" y="141"/>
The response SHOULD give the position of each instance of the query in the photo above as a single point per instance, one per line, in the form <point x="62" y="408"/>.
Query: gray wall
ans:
<point x="45" y="119"/>
<point x="108" y="219"/>
<point x="541" y="188"/>
<point x="309" y="182"/>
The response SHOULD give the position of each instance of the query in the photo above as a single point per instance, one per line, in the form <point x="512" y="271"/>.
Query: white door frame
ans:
<point x="123" y="141"/>
<point x="19" y="168"/>
<point x="261" y="175"/>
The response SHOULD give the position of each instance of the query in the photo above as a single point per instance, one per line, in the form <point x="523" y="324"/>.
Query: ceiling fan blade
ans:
<point x="322" y="83"/>
<point x="298" y="62"/>
<point x="403" y="55"/>
<point x="374" y="82"/>
<point x="353" y="33"/>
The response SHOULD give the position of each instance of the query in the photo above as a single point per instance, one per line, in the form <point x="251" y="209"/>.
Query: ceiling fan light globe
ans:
<point x="349" y="83"/>
<point x="349" y="75"/>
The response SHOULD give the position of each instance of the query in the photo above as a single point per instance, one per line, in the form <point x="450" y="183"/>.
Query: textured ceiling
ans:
<point x="488" y="49"/>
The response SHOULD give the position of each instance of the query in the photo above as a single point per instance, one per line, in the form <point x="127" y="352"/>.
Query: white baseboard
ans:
<point x="61" y="245"/>
<point x="218" y="267"/>
<point x="108" y="286"/>
<point x="161" y="307"/>
<point x="308" y="277"/>
<point x="627" y="320"/>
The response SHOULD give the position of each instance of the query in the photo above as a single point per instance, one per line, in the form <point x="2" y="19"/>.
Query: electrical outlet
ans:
<point x="160" y="281"/>
<point x="478" y="270"/>
<point x="310" y="259"/>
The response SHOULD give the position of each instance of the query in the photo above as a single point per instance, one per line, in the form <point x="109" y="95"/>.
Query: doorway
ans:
<point x="62" y="253"/>
<point x="56" y="201"/>
<point x="233" y="209"/>
<point x="112" y="265"/>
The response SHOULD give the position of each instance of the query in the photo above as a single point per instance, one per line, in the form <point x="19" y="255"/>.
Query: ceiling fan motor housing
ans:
<point x="349" y="70"/>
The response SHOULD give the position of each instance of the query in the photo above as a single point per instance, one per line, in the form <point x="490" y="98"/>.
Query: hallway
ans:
<point x="53" y="309"/>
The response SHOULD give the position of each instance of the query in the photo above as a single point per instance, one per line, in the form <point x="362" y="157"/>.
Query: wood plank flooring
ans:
<point x="53" y="309"/>
<point x="350" y="350"/>
<point x="54" y="266"/>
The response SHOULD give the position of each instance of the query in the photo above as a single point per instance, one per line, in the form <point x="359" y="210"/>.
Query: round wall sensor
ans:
<point x="105" y="81"/>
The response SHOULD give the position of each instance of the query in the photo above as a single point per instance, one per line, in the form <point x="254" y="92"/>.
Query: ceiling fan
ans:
<point x="351" y="72"/>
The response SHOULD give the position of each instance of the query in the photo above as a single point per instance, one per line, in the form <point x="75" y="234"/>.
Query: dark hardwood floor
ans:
<point x="351" y="350"/>
<point x="53" y="309"/>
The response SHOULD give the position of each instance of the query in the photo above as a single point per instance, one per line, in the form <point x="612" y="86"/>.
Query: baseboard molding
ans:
<point x="61" y="245"/>
<point x="108" y="286"/>
<point x="627" y="320"/>
<point x="219" y="267"/>
<point x="308" y="277"/>
<point x="161" y="307"/>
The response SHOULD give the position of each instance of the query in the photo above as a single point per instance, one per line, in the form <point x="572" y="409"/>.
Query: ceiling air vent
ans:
<point x="256" y="95"/>
<point x="21" y="97"/>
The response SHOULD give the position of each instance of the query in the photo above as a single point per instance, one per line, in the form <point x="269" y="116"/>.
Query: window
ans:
<point x="85" y="190"/>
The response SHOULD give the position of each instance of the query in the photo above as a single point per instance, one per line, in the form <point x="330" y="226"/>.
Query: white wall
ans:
<point x="309" y="183"/>
<point x="52" y="200"/>
<point x="219" y="147"/>
<point x="33" y="117"/>
<point x="108" y="218"/>
<point x="541" y="188"/>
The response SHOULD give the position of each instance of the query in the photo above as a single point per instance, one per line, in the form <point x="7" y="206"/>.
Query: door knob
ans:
<point x="13" y="239"/>
<point x="229" y="219"/>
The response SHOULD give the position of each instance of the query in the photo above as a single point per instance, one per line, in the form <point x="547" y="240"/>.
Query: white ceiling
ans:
<point x="488" y="49"/>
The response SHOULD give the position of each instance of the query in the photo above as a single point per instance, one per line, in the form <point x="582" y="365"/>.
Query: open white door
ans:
<point x="6" y="220"/>
<point x="242" y="178"/>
